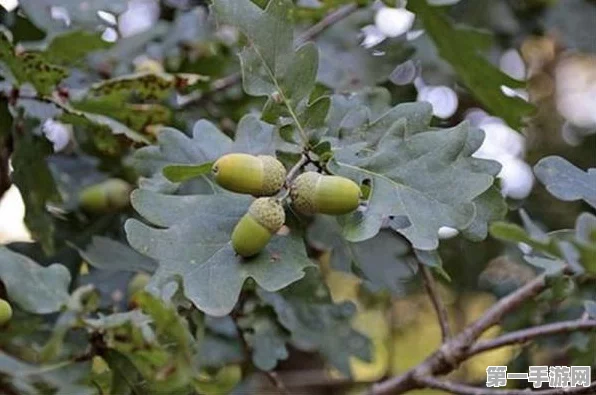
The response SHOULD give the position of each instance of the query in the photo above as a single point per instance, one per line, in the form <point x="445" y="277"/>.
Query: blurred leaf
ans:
<point x="126" y="378"/>
<point x="564" y="17"/>
<point x="30" y="66"/>
<point x="62" y="377"/>
<point x="72" y="47"/>
<point x="180" y="173"/>
<point x="306" y="310"/>
<point x="514" y="233"/>
<point x="192" y="243"/>
<point x="590" y="307"/>
<point x="144" y="86"/>
<point x="36" y="183"/>
<point x="461" y="47"/>
<point x="134" y="116"/>
<point x="565" y="181"/>
<point x="346" y="64"/>
<point x="34" y="288"/>
<point x="79" y="14"/>
<point x="569" y="246"/>
<point x="266" y="339"/>
<point x="221" y="382"/>
<point x="108" y="254"/>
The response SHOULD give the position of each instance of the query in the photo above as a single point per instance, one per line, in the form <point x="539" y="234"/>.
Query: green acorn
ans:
<point x="312" y="193"/>
<point x="5" y="312"/>
<point x="264" y="218"/>
<point x="108" y="196"/>
<point x="261" y="175"/>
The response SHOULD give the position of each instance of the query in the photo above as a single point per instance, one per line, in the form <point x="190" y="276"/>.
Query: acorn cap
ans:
<point x="302" y="192"/>
<point x="274" y="175"/>
<point x="269" y="213"/>
<point x="312" y="193"/>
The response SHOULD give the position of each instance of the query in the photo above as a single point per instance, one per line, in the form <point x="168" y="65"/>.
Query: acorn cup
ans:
<point x="108" y="196"/>
<point x="261" y="175"/>
<point x="313" y="193"/>
<point x="264" y="218"/>
<point x="5" y="312"/>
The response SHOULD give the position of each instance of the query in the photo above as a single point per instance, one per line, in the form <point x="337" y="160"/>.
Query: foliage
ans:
<point x="158" y="108"/>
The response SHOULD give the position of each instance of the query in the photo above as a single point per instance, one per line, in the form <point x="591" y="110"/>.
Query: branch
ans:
<point x="316" y="29"/>
<point x="463" y="389"/>
<point x="524" y="335"/>
<point x="431" y="288"/>
<point x="448" y="357"/>
<point x="276" y="381"/>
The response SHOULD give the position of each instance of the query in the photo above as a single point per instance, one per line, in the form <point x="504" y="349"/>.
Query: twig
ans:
<point x="303" y="161"/>
<point x="329" y="20"/>
<point x="276" y="381"/>
<point x="454" y="351"/>
<point x="524" y="335"/>
<point x="431" y="288"/>
<point x="316" y="29"/>
<point x="463" y="389"/>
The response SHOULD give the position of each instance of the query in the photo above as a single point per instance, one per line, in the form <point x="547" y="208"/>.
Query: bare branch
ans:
<point x="448" y="357"/>
<point x="524" y="335"/>
<point x="463" y="389"/>
<point x="431" y="288"/>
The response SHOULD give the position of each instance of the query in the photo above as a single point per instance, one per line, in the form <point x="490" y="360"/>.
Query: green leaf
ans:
<point x="462" y="48"/>
<point x="490" y="207"/>
<point x="193" y="244"/>
<point x="425" y="179"/>
<point x="180" y="173"/>
<point x="72" y="47"/>
<point x="565" y="181"/>
<point x="134" y="116"/>
<point x="36" y="183"/>
<point x="316" y="323"/>
<point x="270" y="65"/>
<point x="206" y="145"/>
<point x="144" y="86"/>
<point x="514" y="233"/>
<point x="108" y="254"/>
<point x="36" y="289"/>
<point x="266" y="339"/>
<point x="31" y="66"/>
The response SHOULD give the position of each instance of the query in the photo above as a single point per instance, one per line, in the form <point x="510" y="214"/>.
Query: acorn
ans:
<point x="5" y="312"/>
<point x="264" y="218"/>
<point x="108" y="196"/>
<point x="312" y="193"/>
<point x="261" y="175"/>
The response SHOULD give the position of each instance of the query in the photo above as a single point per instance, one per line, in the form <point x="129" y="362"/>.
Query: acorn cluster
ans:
<point x="264" y="176"/>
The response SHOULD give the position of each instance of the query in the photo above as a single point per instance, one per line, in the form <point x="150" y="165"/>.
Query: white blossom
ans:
<point x="575" y="84"/>
<point x="140" y="16"/>
<point x="516" y="177"/>
<point x="446" y="232"/>
<point x="442" y="98"/>
<point x="58" y="133"/>
<point x="506" y="146"/>
<point x="393" y="22"/>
